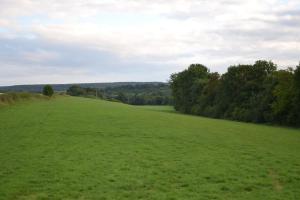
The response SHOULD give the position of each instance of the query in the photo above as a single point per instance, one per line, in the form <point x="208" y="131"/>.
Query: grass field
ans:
<point x="77" y="148"/>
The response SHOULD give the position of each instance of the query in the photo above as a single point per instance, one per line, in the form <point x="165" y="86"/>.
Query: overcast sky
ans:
<point x="71" y="41"/>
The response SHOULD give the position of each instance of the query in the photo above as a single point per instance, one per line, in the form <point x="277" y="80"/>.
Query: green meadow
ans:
<point x="79" y="148"/>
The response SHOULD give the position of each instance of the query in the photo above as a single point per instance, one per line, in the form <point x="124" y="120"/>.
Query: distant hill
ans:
<point x="64" y="87"/>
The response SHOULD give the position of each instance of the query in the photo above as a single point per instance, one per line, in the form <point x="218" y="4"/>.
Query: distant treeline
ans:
<point x="139" y="94"/>
<point x="252" y="93"/>
<point x="64" y="87"/>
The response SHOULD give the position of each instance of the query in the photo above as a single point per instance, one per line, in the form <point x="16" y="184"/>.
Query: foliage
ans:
<point x="295" y="109"/>
<point x="48" y="90"/>
<point x="186" y="85"/>
<point x="77" y="90"/>
<point x="252" y="93"/>
<point x="140" y="94"/>
<point x="64" y="87"/>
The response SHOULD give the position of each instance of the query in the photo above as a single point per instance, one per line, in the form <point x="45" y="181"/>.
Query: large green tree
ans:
<point x="283" y="93"/>
<point x="253" y="93"/>
<point x="294" y="117"/>
<point x="187" y="85"/>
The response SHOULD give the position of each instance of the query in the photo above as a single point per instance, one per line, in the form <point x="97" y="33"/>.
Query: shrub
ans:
<point x="48" y="90"/>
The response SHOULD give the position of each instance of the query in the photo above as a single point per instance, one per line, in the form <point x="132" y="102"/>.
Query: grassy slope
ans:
<point x="76" y="148"/>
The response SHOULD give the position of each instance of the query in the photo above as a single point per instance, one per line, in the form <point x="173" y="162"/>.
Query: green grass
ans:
<point x="78" y="148"/>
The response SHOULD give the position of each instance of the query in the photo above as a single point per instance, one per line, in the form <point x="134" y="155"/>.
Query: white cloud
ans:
<point x="160" y="33"/>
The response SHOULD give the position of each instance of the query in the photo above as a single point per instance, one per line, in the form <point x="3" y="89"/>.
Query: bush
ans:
<point x="48" y="90"/>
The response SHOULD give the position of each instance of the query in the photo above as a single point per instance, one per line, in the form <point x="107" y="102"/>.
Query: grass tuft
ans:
<point x="15" y="97"/>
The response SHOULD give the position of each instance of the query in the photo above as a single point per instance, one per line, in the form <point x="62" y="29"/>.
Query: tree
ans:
<point x="283" y="93"/>
<point x="122" y="97"/>
<point x="48" y="90"/>
<point x="253" y="93"/>
<point x="244" y="93"/>
<point x="76" y="90"/>
<point x="187" y="86"/>
<point x="294" y="116"/>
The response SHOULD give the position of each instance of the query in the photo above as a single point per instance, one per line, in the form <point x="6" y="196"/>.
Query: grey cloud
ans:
<point x="259" y="35"/>
<point x="73" y="61"/>
<point x="205" y="31"/>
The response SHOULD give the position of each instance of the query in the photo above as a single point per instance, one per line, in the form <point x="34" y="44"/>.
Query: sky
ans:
<point x="73" y="41"/>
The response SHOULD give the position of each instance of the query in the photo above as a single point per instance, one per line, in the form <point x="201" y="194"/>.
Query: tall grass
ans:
<point x="14" y="97"/>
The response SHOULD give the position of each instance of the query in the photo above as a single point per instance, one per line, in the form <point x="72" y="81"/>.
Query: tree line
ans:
<point x="258" y="93"/>
<point x="140" y="94"/>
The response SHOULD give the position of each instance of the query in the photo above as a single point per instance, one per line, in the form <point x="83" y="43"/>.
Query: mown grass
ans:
<point x="78" y="148"/>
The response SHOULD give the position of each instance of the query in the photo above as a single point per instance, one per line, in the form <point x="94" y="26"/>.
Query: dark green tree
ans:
<point x="76" y="90"/>
<point x="242" y="90"/>
<point x="252" y="93"/>
<point x="122" y="97"/>
<point x="48" y="90"/>
<point x="187" y="86"/>
<point x="283" y="94"/>
<point x="294" y="116"/>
